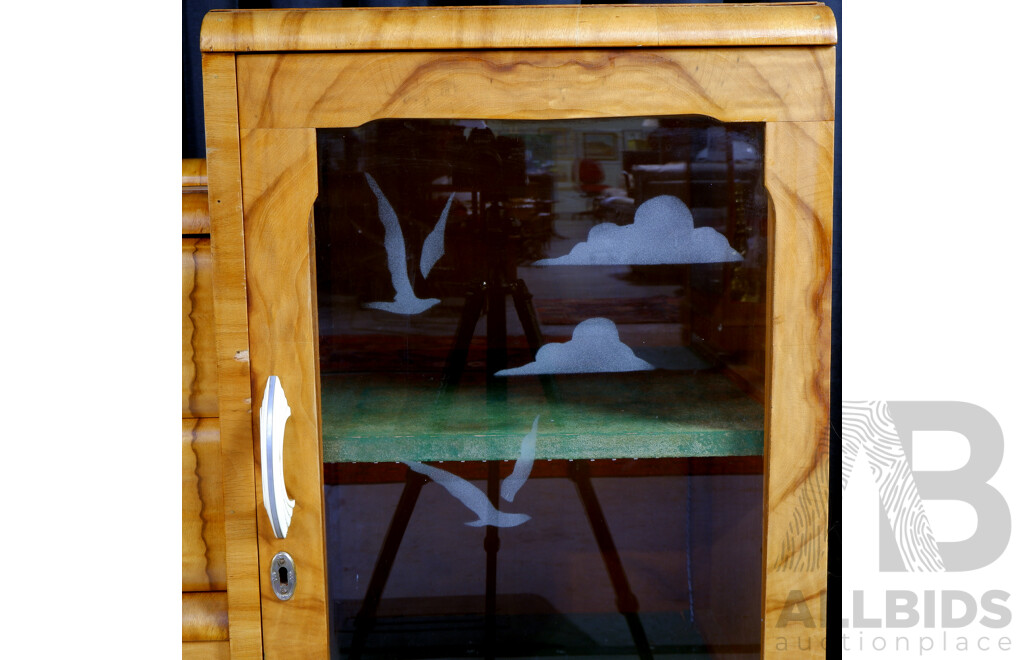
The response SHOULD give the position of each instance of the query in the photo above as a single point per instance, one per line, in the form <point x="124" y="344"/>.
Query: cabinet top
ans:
<point x="524" y="26"/>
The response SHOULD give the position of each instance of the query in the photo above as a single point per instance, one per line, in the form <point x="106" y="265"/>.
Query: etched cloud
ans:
<point x="662" y="233"/>
<point x="595" y="347"/>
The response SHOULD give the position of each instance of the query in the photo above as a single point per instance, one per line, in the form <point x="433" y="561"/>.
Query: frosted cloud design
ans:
<point x="662" y="233"/>
<point x="595" y="347"/>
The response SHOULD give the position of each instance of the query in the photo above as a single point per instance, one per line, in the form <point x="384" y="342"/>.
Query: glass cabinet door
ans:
<point x="542" y="376"/>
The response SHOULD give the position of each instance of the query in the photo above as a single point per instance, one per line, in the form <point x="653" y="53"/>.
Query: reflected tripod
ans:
<point x="499" y="281"/>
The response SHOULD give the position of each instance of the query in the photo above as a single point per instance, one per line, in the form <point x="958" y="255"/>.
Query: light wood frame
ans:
<point x="272" y="78"/>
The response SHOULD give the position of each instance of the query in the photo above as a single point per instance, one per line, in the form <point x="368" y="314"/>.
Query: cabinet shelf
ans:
<point x="652" y="414"/>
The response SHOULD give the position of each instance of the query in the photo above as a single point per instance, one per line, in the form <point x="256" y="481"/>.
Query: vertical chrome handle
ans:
<point x="274" y="414"/>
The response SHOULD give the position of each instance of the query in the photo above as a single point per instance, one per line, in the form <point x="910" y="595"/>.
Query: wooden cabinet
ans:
<point x="204" y="620"/>
<point x="336" y="139"/>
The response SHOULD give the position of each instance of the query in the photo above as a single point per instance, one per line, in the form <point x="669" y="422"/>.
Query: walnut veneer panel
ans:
<point x="202" y="507"/>
<point x="204" y="617"/>
<point x="349" y="89"/>
<point x="518" y="27"/>
<point x="198" y="343"/>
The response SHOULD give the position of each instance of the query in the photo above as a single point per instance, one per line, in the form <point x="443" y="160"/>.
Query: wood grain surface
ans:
<point x="204" y="616"/>
<point x="205" y="651"/>
<point x="195" y="206"/>
<point x="195" y="211"/>
<point x="279" y="183"/>
<point x="798" y="167"/>
<point x="232" y="340"/>
<point x="202" y="507"/>
<point x="349" y="89"/>
<point x="518" y="27"/>
<point x="198" y="341"/>
<point x="193" y="172"/>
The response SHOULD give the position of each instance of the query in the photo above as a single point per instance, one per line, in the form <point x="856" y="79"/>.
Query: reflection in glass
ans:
<point x="542" y="374"/>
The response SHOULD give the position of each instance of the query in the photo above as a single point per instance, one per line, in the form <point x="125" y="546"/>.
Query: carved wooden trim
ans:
<point x="572" y="26"/>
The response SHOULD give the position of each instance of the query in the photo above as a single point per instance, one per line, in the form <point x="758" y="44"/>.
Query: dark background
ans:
<point x="193" y="146"/>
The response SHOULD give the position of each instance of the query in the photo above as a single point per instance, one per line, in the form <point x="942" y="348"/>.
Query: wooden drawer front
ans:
<point x="202" y="507"/>
<point x="195" y="211"/>
<point x="193" y="173"/>
<point x="198" y="349"/>
<point x="204" y="617"/>
<point x="205" y="651"/>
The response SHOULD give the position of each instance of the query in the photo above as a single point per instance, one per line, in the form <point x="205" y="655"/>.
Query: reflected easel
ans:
<point x="486" y="178"/>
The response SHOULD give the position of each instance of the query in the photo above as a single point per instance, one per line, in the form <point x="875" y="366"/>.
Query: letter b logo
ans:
<point x="883" y="431"/>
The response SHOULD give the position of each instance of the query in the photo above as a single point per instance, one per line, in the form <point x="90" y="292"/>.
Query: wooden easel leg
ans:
<point x="625" y="599"/>
<point x="491" y="545"/>
<point x="414" y="483"/>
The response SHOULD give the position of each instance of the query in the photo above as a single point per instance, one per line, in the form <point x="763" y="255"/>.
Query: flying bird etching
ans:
<point x="474" y="499"/>
<point x="406" y="301"/>
<point x="471" y="496"/>
<point x="524" y="464"/>
<point x="433" y="244"/>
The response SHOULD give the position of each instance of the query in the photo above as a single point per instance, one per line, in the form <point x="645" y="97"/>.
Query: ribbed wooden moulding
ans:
<point x="193" y="172"/>
<point x="204" y="617"/>
<point x="195" y="211"/>
<point x="202" y="507"/>
<point x="198" y="351"/>
<point x="566" y="26"/>
<point x="205" y="651"/>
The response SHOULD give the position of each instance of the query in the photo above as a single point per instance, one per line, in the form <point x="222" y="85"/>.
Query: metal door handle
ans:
<point x="274" y="414"/>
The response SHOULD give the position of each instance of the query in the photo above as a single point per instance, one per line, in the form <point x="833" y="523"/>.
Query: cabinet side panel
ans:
<point x="349" y="89"/>
<point x="279" y="180"/>
<point x="799" y="180"/>
<point x="232" y="338"/>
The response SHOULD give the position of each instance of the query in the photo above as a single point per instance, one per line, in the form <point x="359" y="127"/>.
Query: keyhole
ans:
<point x="282" y="576"/>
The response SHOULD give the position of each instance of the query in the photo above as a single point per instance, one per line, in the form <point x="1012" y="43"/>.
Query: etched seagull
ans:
<point x="471" y="496"/>
<point x="433" y="244"/>
<point x="524" y="464"/>
<point x="406" y="301"/>
<point x="474" y="499"/>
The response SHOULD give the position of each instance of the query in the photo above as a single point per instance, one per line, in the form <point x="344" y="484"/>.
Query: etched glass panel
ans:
<point x="542" y="351"/>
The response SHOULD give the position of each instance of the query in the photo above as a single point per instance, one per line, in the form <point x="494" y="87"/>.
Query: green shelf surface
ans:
<point x="650" y="414"/>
